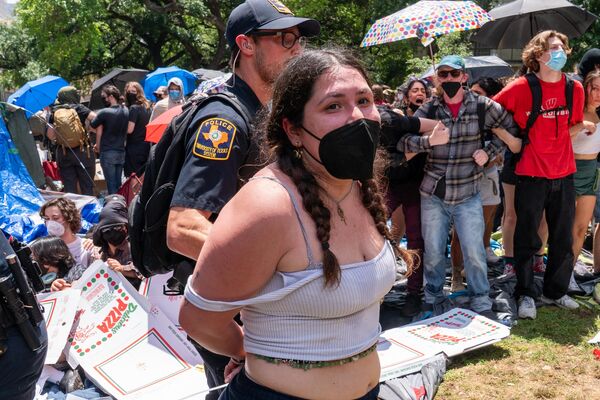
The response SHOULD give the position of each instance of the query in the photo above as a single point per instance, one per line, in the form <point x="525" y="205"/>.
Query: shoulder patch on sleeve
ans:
<point x="214" y="139"/>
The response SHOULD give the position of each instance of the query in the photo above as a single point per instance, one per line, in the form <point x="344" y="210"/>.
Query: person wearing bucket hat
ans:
<point x="263" y="36"/>
<point x="450" y="187"/>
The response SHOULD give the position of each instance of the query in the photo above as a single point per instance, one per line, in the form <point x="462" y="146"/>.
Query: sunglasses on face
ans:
<point x="455" y="73"/>
<point x="288" y="39"/>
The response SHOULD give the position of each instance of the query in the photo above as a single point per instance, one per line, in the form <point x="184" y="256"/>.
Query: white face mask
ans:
<point x="55" y="228"/>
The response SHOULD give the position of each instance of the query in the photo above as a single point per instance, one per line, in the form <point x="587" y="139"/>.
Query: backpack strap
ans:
<point x="536" y="103"/>
<point x="481" y="109"/>
<point x="569" y="87"/>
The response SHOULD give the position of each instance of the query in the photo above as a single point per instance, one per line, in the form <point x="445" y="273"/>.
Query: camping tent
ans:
<point x="19" y="197"/>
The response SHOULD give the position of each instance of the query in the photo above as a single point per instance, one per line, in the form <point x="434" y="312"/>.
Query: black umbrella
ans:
<point x="117" y="77"/>
<point x="482" y="66"/>
<point x="205" y="74"/>
<point x="517" y="22"/>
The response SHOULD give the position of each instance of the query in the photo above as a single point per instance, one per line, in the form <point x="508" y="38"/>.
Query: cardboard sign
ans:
<point x="127" y="346"/>
<point x="59" y="313"/>
<point x="155" y="289"/>
<point x="405" y="350"/>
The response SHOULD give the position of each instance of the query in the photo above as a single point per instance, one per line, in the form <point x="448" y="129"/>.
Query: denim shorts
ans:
<point x="244" y="388"/>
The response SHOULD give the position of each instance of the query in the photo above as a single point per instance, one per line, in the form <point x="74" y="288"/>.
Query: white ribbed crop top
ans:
<point x="296" y="317"/>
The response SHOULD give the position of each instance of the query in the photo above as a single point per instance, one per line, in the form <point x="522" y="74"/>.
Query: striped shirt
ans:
<point x="454" y="160"/>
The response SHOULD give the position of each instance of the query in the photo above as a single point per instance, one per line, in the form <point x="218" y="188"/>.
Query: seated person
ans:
<point x="54" y="256"/>
<point x="63" y="221"/>
<point x="110" y="235"/>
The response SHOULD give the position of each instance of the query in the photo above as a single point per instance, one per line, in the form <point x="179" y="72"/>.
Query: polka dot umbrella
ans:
<point x="426" y="20"/>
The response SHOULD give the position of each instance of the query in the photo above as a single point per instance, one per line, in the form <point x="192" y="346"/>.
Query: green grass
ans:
<point x="548" y="358"/>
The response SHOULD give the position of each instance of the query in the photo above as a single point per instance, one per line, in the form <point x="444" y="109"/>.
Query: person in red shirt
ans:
<point x="545" y="171"/>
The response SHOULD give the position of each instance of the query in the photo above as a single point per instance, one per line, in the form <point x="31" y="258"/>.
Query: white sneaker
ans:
<point x="582" y="269"/>
<point x="490" y="256"/>
<point x="573" y="285"/>
<point x="527" y="308"/>
<point x="563" y="302"/>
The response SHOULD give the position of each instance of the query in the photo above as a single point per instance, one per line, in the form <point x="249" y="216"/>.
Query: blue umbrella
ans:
<point x="161" y="77"/>
<point x="37" y="94"/>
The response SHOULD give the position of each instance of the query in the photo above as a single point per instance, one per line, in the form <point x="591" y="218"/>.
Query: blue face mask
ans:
<point x="175" y="94"/>
<point x="558" y="59"/>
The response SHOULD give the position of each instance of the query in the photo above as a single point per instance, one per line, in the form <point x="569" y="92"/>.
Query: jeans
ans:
<point x="436" y="216"/>
<point x="533" y="196"/>
<point x="21" y="367"/>
<point x="112" y="162"/>
<point x="244" y="388"/>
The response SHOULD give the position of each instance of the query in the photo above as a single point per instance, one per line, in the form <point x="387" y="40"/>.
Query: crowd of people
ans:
<point x="282" y="221"/>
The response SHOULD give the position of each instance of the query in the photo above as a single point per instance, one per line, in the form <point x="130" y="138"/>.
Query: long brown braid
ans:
<point x="292" y="91"/>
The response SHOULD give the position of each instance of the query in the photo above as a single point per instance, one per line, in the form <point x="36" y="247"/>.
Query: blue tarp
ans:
<point x="20" y="200"/>
<point x="19" y="196"/>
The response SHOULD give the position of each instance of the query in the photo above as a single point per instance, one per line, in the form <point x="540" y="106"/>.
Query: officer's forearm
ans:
<point x="187" y="230"/>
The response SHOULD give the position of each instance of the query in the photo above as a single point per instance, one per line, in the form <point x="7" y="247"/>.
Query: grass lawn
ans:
<point x="548" y="358"/>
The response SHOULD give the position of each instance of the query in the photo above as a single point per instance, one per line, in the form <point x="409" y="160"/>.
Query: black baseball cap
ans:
<point x="266" y="14"/>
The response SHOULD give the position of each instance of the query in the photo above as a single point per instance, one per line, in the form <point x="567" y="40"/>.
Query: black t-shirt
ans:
<point x="218" y="146"/>
<point x="140" y="116"/>
<point x="114" y="121"/>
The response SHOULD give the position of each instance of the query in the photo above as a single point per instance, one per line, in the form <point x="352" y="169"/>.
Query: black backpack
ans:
<point x="536" y="107"/>
<point x="149" y="210"/>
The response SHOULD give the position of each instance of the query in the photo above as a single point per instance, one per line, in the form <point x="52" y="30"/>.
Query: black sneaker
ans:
<point x="412" y="306"/>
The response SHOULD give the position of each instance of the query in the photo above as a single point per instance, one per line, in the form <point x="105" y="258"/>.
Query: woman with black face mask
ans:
<point x="111" y="237"/>
<point x="136" y="149"/>
<point x="416" y="94"/>
<point x="303" y="248"/>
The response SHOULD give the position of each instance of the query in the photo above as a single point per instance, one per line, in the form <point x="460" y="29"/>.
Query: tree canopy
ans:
<point x="83" y="39"/>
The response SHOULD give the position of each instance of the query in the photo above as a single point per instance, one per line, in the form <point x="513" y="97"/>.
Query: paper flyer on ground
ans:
<point x="157" y="292"/>
<point x="595" y="339"/>
<point x="59" y="312"/>
<point x="406" y="349"/>
<point x="127" y="346"/>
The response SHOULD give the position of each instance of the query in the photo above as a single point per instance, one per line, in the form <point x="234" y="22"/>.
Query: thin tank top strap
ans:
<point x="309" y="254"/>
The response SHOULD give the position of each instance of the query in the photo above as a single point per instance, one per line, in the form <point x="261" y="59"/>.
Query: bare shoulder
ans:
<point x="264" y="199"/>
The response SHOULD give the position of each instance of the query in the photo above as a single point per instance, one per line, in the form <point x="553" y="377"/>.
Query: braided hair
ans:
<point x="292" y="91"/>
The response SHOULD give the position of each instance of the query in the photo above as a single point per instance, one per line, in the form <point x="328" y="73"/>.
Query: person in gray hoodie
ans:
<point x="175" y="97"/>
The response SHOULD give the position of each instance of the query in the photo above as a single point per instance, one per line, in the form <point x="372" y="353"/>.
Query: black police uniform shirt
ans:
<point x="218" y="146"/>
<point x="114" y="121"/>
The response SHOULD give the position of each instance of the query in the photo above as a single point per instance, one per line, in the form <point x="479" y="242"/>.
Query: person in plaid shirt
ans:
<point x="450" y="188"/>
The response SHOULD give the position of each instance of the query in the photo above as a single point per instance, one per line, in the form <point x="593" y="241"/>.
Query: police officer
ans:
<point x="21" y="367"/>
<point x="263" y="35"/>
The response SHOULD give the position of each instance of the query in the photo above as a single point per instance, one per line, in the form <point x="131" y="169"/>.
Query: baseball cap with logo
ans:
<point x="453" y="61"/>
<point x="266" y="14"/>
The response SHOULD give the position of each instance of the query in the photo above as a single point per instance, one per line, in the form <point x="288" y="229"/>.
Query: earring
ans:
<point x="298" y="153"/>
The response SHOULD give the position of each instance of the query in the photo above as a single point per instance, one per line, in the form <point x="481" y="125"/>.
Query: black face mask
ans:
<point x="114" y="236"/>
<point x="414" y="107"/>
<point x="131" y="98"/>
<point x="348" y="152"/>
<point x="451" y="88"/>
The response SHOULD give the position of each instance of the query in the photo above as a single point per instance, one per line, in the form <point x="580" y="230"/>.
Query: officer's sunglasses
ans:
<point x="454" y="72"/>
<point x="288" y="39"/>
